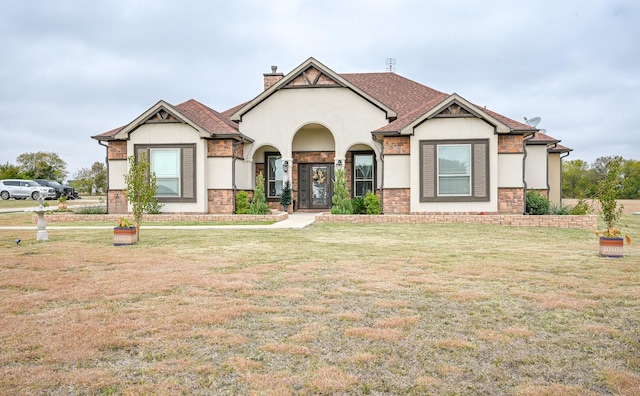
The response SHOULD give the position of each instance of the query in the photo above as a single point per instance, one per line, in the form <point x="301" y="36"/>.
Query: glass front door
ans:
<point x="315" y="186"/>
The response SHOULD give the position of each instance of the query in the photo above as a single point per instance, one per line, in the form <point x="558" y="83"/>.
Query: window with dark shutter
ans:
<point x="454" y="170"/>
<point x="175" y="168"/>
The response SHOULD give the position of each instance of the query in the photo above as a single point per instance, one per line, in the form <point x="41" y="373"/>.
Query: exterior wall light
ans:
<point x="285" y="166"/>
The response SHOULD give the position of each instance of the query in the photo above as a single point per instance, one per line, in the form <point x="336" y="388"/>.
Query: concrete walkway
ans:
<point x="295" y="221"/>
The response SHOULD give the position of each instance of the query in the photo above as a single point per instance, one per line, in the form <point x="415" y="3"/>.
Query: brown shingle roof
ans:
<point x="410" y="99"/>
<point x="208" y="119"/>
<point x="204" y="117"/>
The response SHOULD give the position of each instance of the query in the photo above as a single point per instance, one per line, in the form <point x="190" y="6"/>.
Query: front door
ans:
<point x="315" y="186"/>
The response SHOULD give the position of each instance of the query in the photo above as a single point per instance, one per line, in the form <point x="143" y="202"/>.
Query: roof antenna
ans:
<point x="391" y="65"/>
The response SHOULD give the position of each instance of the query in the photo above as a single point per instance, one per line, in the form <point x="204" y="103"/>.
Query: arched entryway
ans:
<point x="313" y="151"/>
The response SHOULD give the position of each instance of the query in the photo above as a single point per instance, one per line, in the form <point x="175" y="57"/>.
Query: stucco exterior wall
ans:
<point x="117" y="170"/>
<point x="348" y="117"/>
<point x="397" y="171"/>
<point x="555" y="178"/>
<point x="510" y="170"/>
<point x="453" y="129"/>
<point x="536" y="167"/>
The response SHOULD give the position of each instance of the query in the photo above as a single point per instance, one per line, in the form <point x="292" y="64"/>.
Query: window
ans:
<point x="166" y="165"/>
<point x="363" y="165"/>
<point x="454" y="170"/>
<point x="175" y="169"/>
<point x="274" y="175"/>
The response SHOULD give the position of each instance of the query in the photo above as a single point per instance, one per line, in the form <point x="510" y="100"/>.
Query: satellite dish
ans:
<point x="533" y="122"/>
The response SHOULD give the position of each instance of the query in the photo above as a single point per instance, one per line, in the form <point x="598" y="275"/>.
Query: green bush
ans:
<point x="560" y="210"/>
<point x="581" y="207"/>
<point x="537" y="204"/>
<point x="357" y="205"/>
<point x="242" y="202"/>
<point x="372" y="204"/>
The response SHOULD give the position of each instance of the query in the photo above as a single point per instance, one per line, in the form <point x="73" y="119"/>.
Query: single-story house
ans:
<point x="419" y="149"/>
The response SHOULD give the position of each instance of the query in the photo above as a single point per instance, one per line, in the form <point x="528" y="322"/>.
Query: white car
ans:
<point x="22" y="189"/>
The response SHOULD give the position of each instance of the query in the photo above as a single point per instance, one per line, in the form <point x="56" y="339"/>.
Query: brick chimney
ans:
<point x="272" y="78"/>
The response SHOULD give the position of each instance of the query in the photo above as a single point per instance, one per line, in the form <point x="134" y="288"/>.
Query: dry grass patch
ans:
<point x="272" y="384"/>
<point x="397" y="321"/>
<point x="363" y="357"/>
<point x="454" y="343"/>
<point x="519" y="332"/>
<point x="287" y="349"/>
<point x="243" y="365"/>
<point x="561" y="300"/>
<point x="393" y="303"/>
<point x="351" y="316"/>
<point x="315" y="309"/>
<point x="374" y="333"/>
<point x="331" y="379"/>
<point x="553" y="390"/>
<point x="622" y="382"/>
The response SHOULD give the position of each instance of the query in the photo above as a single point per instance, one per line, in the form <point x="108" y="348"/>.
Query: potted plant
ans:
<point x="62" y="202"/>
<point x="125" y="233"/>
<point x="285" y="196"/>
<point x="611" y="239"/>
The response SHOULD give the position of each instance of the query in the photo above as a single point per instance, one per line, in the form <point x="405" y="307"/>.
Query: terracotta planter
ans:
<point x="124" y="236"/>
<point x="62" y="206"/>
<point x="611" y="247"/>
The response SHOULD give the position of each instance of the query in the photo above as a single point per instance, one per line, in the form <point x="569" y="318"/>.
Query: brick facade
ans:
<point x="117" y="150"/>
<point x="220" y="201"/>
<point x="397" y="145"/>
<point x="510" y="144"/>
<point x="117" y="201"/>
<point x="511" y="200"/>
<point x="397" y="200"/>
<point x="220" y="148"/>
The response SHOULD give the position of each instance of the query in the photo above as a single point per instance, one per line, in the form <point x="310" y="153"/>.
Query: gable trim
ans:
<point x="148" y="118"/>
<point x="457" y="100"/>
<point x="301" y="71"/>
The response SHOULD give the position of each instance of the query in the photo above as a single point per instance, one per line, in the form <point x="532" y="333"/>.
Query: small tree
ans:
<point x="608" y="187"/>
<point x="141" y="188"/>
<point x="285" y="196"/>
<point x="340" y="199"/>
<point x="259" y="202"/>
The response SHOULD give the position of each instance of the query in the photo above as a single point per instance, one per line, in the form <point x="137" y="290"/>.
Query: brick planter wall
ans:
<point x="68" y="217"/>
<point x="588" y="222"/>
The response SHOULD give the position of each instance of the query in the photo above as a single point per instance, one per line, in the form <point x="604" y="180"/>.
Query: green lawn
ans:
<point x="330" y="309"/>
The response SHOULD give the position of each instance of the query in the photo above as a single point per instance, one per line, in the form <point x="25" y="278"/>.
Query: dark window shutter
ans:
<point x="428" y="170"/>
<point x="188" y="172"/>
<point x="480" y="170"/>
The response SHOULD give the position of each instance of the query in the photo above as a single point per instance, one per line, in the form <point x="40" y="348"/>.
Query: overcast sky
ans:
<point x="73" y="69"/>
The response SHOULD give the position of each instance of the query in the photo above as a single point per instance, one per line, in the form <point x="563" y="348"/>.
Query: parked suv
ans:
<point x="22" y="189"/>
<point x="61" y="190"/>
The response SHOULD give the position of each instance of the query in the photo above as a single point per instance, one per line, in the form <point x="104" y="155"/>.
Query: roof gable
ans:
<point x="311" y="74"/>
<point x="207" y="122"/>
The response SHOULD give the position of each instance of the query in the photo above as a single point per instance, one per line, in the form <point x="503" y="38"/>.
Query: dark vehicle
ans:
<point x="61" y="190"/>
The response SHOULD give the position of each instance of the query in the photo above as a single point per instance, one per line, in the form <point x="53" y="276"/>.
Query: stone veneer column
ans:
<point x="510" y="200"/>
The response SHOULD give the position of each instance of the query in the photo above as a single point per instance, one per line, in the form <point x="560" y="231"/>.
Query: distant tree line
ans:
<point x="580" y="180"/>
<point x="49" y="166"/>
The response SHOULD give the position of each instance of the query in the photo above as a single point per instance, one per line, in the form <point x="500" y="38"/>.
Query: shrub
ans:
<point x="537" y="204"/>
<point x="242" y="202"/>
<point x="372" y="204"/>
<point x="357" y="205"/>
<point x="561" y="210"/>
<point x="285" y="196"/>
<point x="259" y="202"/>
<point x="581" y="207"/>
<point x="340" y="199"/>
